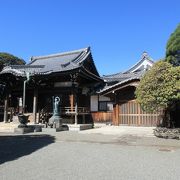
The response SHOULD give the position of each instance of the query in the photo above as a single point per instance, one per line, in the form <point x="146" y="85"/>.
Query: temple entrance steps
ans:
<point x="8" y="127"/>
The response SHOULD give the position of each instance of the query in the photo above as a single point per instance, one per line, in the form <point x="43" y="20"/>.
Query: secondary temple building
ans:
<point x="116" y="100"/>
<point x="85" y="96"/>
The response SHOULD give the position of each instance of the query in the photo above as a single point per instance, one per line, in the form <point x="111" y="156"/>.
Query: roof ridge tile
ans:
<point x="58" y="54"/>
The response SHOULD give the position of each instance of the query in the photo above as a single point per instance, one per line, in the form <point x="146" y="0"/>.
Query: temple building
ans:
<point x="85" y="97"/>
<point x="72" y="76"/>
<point x="116" y="100"/>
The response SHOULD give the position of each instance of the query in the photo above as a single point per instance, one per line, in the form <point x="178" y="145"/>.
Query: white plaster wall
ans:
<point x="104" y="98"/>
<point x="94" y="103"/>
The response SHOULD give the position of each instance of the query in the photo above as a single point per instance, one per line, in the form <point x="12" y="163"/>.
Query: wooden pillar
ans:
<point x="6" y="109"/>
<point x="114" y="114"/>
<point x="71" y="102"/>
<point x="35" y="99"/>
<point x="117" y="114"/>
<point x="76" y="110"/>
<point x="74" y="91"/>
<point x="139" y="115"/>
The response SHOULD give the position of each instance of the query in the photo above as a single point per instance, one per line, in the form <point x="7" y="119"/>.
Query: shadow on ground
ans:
<point x="13" y="147"/>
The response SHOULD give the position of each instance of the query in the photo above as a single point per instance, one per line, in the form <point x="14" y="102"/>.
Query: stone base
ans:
<point x="61" y="128"/>
<point x="55" y="121"/>
<point x="23" y="130"/>
<point x="79" y="127"/>
<point x="36" y="127"/>
<point x="70" y="127"/>
<point x="28" y="129"/>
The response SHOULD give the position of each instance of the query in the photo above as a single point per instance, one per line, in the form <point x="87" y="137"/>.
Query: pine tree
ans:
<point x="173" y="48"/>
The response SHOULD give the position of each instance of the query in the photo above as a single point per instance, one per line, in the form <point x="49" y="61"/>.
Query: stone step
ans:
<point x="8" y="127"/>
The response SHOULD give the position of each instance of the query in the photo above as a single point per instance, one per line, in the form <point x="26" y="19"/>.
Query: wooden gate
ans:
<point x="130" y="113"/>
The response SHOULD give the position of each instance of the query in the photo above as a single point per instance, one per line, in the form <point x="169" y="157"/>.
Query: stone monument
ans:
<point x="56" y="121"/>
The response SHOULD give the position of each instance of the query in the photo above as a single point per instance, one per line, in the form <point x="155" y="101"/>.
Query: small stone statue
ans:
<point x="55" y="120"/>
<point x="56" y="111"/>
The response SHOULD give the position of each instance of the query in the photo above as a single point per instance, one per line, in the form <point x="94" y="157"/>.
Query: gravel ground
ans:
<point x="76" y="156"/>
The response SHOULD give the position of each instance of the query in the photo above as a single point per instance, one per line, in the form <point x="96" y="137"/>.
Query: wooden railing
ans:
<point x="47" y="112"/>
<point x="72" y="110"/>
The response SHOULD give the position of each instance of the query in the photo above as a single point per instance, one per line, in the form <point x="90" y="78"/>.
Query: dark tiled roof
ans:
<point x="62" y="61"/>
<point x="51" y="63"/>
<point x="135" y="76"/>
<point x="109" y="88"/>
<point x="121" y="76"/>
<point x="134" y="73"/>
<point x="19" y="70"/>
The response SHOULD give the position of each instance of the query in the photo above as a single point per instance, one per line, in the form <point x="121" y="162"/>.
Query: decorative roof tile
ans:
<point x="145" y="63"/>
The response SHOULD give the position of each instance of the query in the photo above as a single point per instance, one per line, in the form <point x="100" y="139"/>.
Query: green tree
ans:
<point x="173" y="48"/>
<point x="159" y="88"/>
<point x="9" y="59"/>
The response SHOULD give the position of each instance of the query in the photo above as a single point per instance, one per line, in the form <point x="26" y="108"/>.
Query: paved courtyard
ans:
<point x="121" y="131"/>
<point x="85" y="155"/>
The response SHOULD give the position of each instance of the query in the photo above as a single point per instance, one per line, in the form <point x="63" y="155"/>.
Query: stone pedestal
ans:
<point x="28" y="129"/>
<point x="55" y="122"/>
<point x="79" y="127"/>
<point x="58" y="129"/>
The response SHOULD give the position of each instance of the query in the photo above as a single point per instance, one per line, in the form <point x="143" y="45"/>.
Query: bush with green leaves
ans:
<point x="159" y="88"/>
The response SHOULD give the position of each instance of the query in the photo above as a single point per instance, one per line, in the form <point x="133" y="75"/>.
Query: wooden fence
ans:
<point x="130" y="113"/>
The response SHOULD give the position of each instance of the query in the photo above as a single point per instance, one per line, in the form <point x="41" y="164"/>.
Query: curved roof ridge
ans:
<point x="81" y="56"/>
<point x="8" y="69"/>
<point x="25" y="66"/>
<point x="117" y="84"/>
<point x="58" y="54"/>
<point x="109" y="75"/>
<point x="144" y="57"/>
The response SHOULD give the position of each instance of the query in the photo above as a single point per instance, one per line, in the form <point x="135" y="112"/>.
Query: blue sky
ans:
<point x="117" y="31"/>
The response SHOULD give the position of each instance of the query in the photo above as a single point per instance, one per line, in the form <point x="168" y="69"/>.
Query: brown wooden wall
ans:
<point x="128" y="113"/>
<point x="102" y="117"/>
